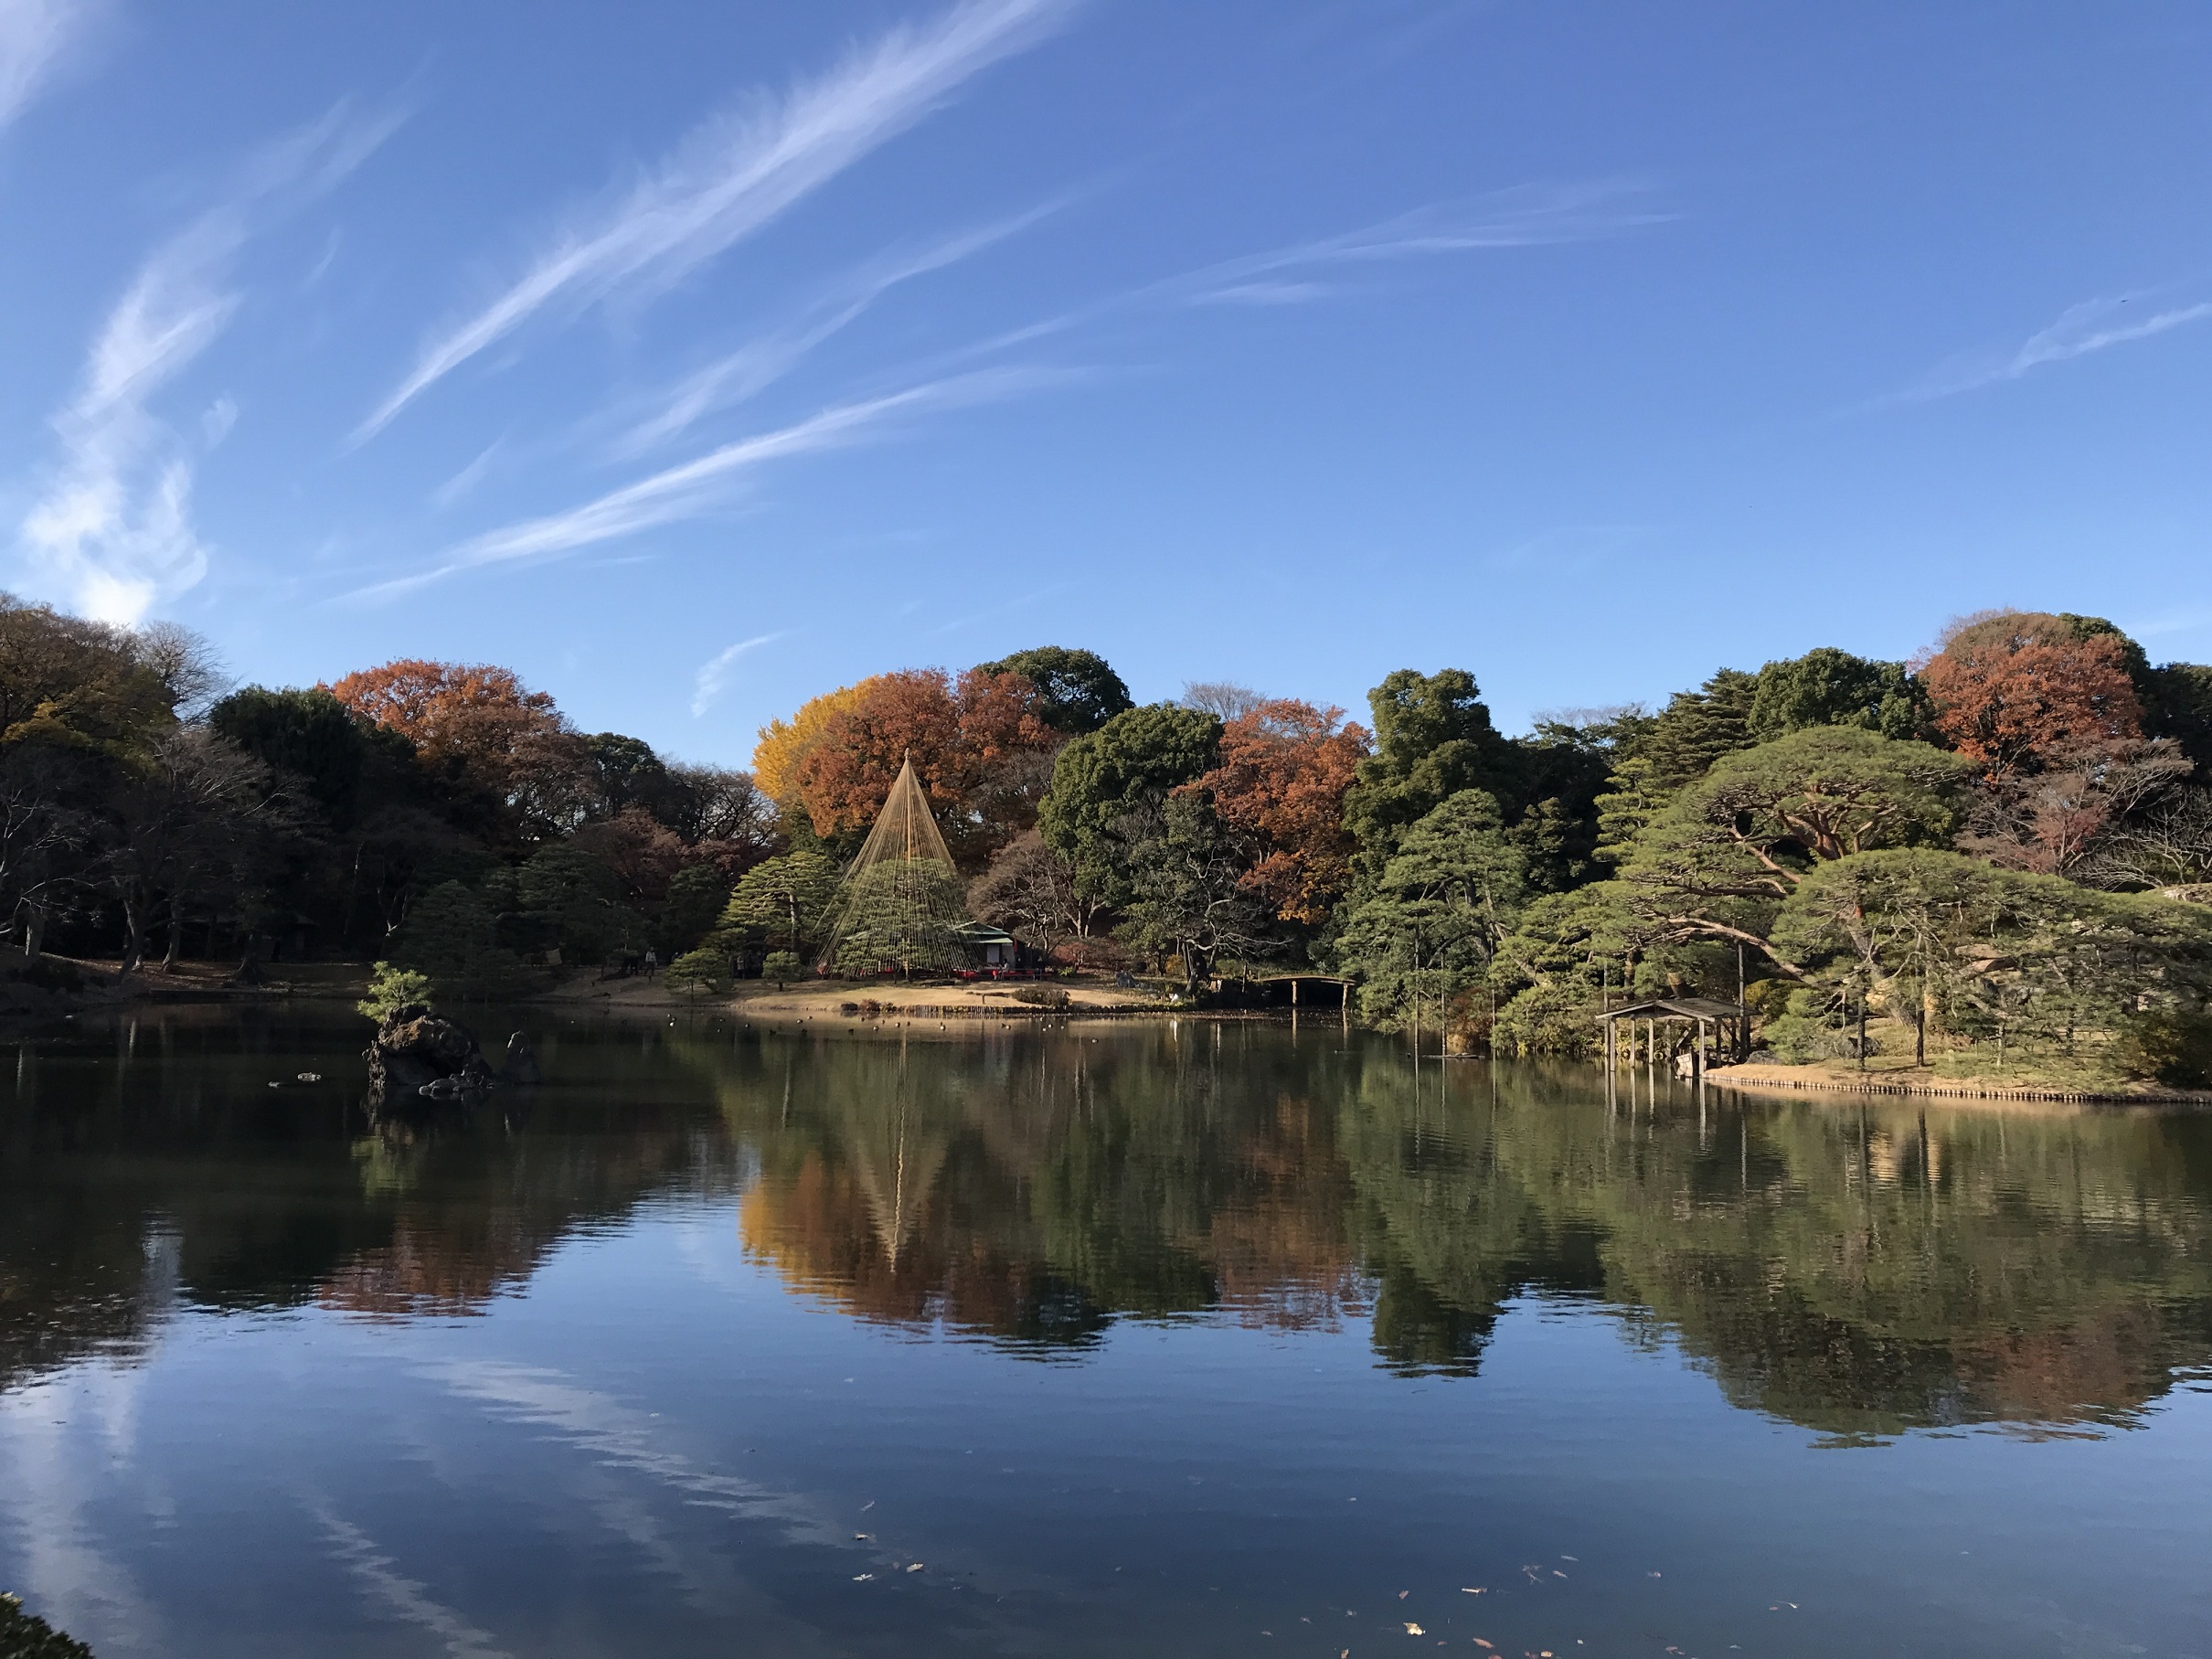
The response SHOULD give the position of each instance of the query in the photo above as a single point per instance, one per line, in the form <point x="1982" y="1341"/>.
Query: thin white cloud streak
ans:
<point x="615" y="1436"/>
<point x="112" y="531"/>
<point x="34" y="36"/>
<point x="403" y="1598"/>
<point x="716" y="672"/>
<point x="685" y="491"/>
<point x="736" y="173"/>
<point x="745" y="373"/>
<point x="1266" y="294"/>
<point x="1525" y="217"/>
<point x="461" y="482"/>
<point x="1528" y="217"/>
<point x="2092" y="326"/>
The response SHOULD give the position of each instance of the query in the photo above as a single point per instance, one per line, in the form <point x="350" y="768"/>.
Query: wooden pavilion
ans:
<point x="1710" y="1018"/>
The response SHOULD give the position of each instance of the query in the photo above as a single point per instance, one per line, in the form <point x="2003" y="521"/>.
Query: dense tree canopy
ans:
<point x="1831" y="687"/>
<point x="483" y="738"/>
<point x="345" y="763"/>
<point x="1718" y="861"/>
<point x="1428" y="927"/>
<point x="1433" y="738"/>
<point x="2015" y="690"/>
<point x="1696" y="728"/>
<point x="1128" y="765"/>
<point x="1076" y="690"/>
<point x="1279" y="783"/>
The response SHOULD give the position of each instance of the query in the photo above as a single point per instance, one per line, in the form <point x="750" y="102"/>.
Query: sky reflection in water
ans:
<point x="1186" y="1341"/>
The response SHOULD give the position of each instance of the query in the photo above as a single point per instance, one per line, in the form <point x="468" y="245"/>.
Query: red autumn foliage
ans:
<point x="2016" y="690"/>
<point x="1281" y="781"/>
<point x="478" y="727"/>
<point x="980" y="752"/>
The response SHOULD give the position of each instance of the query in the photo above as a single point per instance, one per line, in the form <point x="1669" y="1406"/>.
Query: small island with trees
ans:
<point x="1990" y="866"/>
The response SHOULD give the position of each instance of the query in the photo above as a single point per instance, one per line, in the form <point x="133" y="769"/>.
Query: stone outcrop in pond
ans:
<point x="418" y="1052"/>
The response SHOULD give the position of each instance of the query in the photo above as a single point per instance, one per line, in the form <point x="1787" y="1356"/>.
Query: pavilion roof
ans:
<point x="1676" y="1007"/>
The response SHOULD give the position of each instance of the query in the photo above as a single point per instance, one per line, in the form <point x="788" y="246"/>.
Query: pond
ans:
<point x="1175" y="1338"/>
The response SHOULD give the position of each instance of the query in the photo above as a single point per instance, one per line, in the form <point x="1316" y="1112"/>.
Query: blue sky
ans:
<point x="694" y="359"/>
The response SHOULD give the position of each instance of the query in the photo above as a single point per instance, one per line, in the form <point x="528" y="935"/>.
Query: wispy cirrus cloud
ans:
<point x="736" y="173"/>
<point x="112" y="529"/>
<point x="35" y="35"/>
<point x="1531" y="216"/>
<point x="761" y="362"/>
<point x="2092" y="326"/>
<point x="715" y="674"/>
<point x="1516" y="218"/>
<point x="699" y="485"/>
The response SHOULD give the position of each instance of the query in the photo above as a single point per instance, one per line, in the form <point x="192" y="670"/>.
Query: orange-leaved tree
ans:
<point x="482" y="736"/>
<point x="1281" y="780"/>
<point x="980" y="749"/>
<point x="2014" y="689"/>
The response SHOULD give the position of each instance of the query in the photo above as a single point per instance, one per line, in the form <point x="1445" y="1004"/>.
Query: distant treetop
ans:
<point x="1077" y="691"/>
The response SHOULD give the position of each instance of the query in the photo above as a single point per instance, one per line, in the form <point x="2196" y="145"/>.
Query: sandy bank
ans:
<point x="1925" y="1080"/>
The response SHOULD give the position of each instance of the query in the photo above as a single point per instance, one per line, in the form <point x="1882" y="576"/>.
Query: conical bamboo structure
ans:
<point x="906" y="830"/>
<point x="902" y="875"/>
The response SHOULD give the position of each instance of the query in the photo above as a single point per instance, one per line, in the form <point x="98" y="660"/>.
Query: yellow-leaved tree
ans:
<point x="784" y="745"/>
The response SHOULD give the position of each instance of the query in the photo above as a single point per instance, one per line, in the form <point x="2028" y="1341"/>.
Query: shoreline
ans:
<point x="967" y="1006"/>
<point x="1794" y="1079"/>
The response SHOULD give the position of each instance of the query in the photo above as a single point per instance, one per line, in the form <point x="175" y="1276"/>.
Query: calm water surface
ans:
<point x="1155" y="1340"/>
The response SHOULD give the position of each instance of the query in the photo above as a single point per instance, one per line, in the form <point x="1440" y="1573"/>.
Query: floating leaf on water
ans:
<point x="1480" y="1642"/>
<point x="1403" y="1594"/>
<point x="862" y="1578"/>
<point x="1473" y="1591"/>
<point x="917" y="1567"/>
<point x="1415" y="1630"/>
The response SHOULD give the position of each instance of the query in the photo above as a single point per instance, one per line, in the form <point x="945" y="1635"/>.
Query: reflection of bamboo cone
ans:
<point x="897" y="1180"/>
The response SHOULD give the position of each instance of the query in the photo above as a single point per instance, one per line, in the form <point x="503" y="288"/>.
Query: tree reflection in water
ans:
<point x="1858" y="1269"/>
<point x="1861" y="1269"/>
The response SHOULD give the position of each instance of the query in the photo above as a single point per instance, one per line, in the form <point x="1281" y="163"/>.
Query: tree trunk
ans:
<point x="134" y="939"/>
<point x="177" y="940"/>
<point x="34" y="934"/>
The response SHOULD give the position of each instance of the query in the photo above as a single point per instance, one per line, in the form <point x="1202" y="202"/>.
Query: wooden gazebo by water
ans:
<point x="1712" y="1019"/>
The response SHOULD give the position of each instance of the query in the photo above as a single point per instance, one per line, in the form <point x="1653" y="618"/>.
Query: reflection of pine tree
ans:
<point x="900" y="915"/>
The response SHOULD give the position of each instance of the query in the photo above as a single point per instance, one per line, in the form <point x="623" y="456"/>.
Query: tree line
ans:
<point x="439" y="814"/>
<point x="1999" y="846"/>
